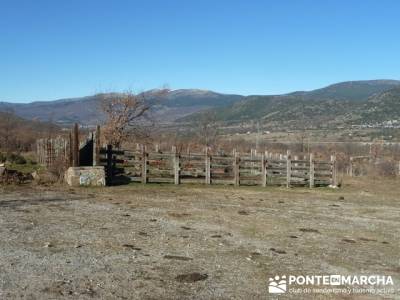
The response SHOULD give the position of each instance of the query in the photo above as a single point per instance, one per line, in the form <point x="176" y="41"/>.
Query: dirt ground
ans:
<point x="193" y="242"/>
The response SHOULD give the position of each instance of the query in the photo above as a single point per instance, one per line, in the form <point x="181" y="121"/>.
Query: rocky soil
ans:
<point x="192" y="242"/>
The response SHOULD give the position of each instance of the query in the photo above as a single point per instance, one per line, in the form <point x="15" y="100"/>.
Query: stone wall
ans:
<point x="85" y="176"/>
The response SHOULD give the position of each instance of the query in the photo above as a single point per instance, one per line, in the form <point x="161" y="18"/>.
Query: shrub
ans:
<point x="386" y="168"/>
<point x="57" y="169"/>
<point x="16" y="159"/>
<point x="31" y="162"/>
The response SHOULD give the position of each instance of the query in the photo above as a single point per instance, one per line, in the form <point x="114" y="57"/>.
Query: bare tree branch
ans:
<point x="127" y="116"/>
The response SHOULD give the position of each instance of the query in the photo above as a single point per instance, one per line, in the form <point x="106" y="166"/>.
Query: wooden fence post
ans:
<point x="176" y="167"/>
<point x="96" y="147"/>
<point x="47" y="153"/>
<point x="208" y="167"/>
<point x="70" y="151"/>
<point x="268" y="157"/>
<point x="144" y="165"/>
<point x="253" y="154"/>
<point x="334" y="170"/>
<point x="236" y="168"/>
<point x="263" y="171"/>
<point x="109" y="169"/>
<point x="288" y="168"/>
<point x="351" y="167"/>
<point x="75" y="146"/>
<point x="312" y="170"/>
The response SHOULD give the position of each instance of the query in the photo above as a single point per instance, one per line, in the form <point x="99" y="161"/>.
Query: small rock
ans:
<point x="131" y="247"/>
<point x="349" y="241"/>
<point x="277" y="251"/>
<point x="216" y="236"/>
<point x="176" y="257"/>
<point x="191" y="277"/>
<point x="309" y="230"/>
<point x="35" y="175"/>
<point x="367" y="239"/>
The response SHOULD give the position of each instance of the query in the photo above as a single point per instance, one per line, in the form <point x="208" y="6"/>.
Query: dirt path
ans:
<point x="166" y="242"/>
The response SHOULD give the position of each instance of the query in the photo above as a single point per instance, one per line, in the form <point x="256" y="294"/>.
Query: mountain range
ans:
<point x="352" y="102"/>
<point x="87" y="110"/>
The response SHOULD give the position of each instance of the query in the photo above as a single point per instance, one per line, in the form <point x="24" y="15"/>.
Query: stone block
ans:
<point x="85" y="176"/>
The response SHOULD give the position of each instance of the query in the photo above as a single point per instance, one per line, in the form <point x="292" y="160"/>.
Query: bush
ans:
<point x="31" y="162"/>
<point x="58" y="168"/>
<point x="386" y="168"/>
<point x="2" y="157"/>
<point x="16" y="159"/>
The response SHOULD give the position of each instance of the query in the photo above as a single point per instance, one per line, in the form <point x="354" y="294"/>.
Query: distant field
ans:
<point x="182" y="242"/>
<point x="318" y="136"/>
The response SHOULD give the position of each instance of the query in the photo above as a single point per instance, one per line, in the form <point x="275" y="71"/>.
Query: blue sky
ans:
<point x="57" y="49"/>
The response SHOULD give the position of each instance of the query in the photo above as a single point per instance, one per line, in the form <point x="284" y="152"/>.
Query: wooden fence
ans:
<point x="69" y="150"/>
<point x="145" y="166"/>
<point x="50" y="151"/>
<point x="236" y="169"/>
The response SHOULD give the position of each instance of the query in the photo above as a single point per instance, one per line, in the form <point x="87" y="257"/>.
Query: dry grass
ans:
<point x="163" y="241"/>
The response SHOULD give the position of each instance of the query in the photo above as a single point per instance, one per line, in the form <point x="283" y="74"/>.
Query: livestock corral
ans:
<point x="208" y="167"/>
<point x="236" y="168"/>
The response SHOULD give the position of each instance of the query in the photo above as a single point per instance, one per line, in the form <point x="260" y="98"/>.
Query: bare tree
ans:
<point x="7" y="126"/>
<point x="208" y="129"/>
<point x="127" y="116"/>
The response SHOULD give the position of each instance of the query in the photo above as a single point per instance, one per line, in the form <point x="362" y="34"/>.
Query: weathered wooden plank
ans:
<point x="236" y="169"/>
<point x="263" y="171"/>
<point x="288" y="169"/>
<point x="144" y="165"/>
<point x="177" y="168"/>
<point x="334" y="171"/>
